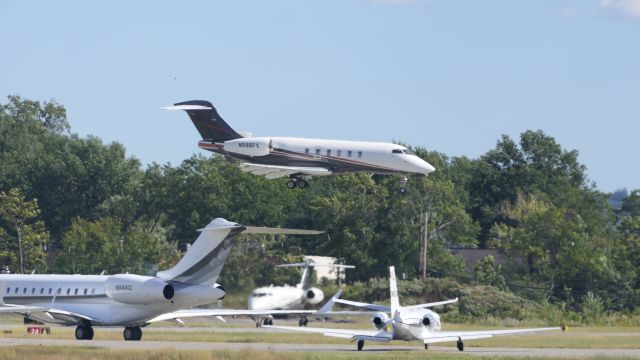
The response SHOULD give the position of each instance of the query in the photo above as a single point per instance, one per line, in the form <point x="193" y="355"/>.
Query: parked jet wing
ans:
<point x="447" y="336"/>
<point x="277" y="171"/>
<point x="180" y="314"/>
<point x="369" y="335"/>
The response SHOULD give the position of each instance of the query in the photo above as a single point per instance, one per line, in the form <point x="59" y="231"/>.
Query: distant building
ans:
<point x="326" y="271"/>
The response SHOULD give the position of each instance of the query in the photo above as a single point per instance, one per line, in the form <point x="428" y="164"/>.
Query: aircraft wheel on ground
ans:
<point x="291" y="184"/>
<point x="460" y="345"/>
<point x="84" y="332"/>
<point x="137" y="333"/>
<point x="426" y="346"/>
<point x="360" y="345"/>
<point x="302" y="183"/>
<point x="132" y="333"/>
<point x="270" y="322"/>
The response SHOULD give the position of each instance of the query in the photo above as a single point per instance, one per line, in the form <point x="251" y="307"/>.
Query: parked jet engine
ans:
<point x="314" y="296"/>
<point x="431" y="320"/>
<point x="380" y="320"/>
<point x="136" y="289"/>
<point x="249" y="146"/>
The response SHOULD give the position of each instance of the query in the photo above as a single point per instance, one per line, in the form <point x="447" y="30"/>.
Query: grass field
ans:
<point x="73" y="353"/>
<point x="575" y="338"/>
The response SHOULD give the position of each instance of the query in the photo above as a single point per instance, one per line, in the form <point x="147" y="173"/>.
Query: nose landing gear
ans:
<point x="403" y="184"/>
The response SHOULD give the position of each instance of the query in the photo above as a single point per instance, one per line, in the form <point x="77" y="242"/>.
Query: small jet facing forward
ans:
<point x="415" y="322"/>
<point x="299" y="158"/>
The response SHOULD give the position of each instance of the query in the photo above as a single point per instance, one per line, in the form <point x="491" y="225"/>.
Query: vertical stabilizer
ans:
<point x="206" y="119"/>
<point x="393" y="287"/>
<point x="202" y="264"/>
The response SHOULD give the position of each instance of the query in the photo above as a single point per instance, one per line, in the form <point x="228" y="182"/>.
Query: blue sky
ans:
<point x="448" y="75"/>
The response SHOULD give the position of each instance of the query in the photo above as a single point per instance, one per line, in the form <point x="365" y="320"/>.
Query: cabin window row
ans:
<point x="339" y="153"/>
<point x="76" y="291"/>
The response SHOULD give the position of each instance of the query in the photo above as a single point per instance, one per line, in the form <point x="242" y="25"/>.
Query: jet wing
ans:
<point x="18" y="309"/>
<point x="369" y="335"/>
<point x="180" y="314"/>
<point x="277" y="171"/>
<point x="45" y="313"/>
<point x="447" y="336"/>
<point x="373" y="307"/>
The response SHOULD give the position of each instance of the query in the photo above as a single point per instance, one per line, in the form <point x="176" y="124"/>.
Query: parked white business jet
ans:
<point x="134" y="301"/>
<point x="415" y="322"/>
<point x="298" y="158"/>
<point x="291" y="297"/>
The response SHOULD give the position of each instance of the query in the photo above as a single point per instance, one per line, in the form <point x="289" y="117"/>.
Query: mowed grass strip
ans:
<point x="578" y="338"/>
<point x="73" y="353"/>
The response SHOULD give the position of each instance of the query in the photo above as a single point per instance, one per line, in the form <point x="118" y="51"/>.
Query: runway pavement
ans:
<point x="179" y="345"/>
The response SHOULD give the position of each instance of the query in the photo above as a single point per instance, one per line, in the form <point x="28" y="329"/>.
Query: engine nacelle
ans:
<point x="314" y="296"/>
<point x="221" y="288"/>
<point x="431" y="320"/>
<point x="136" y="289"/>
<point x="380" y="320"/>
<point x="249" y="146"/>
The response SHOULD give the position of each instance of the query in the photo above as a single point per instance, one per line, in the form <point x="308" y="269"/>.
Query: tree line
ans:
<point x="70" y="204"/>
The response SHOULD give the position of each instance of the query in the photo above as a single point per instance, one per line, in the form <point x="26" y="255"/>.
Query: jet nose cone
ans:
<point x="428" y="168"/>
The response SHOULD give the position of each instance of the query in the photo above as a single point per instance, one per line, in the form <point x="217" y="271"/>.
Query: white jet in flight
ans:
<point x="290" y="297"/>
<point x="298" y="158"/>
<point x="134" y="301"/>
<point x="415" y="322"/>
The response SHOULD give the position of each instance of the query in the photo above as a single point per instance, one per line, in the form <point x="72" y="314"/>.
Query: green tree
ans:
<point x="19" y="217"/>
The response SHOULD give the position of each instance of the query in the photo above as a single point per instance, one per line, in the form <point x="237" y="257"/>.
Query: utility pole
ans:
<point x="424" y="238"/>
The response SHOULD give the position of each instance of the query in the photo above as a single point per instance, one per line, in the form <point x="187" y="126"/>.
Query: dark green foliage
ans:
<point x="531" y="199"/>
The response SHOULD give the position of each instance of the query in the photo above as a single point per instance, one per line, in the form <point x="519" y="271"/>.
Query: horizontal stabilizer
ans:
<point x="270" y="230"/>
<point x="186" y="107"/>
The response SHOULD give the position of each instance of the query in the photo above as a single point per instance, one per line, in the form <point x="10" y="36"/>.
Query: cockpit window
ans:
<point x="402" y="151"/>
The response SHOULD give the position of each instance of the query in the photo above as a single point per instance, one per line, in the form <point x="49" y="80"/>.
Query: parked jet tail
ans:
<point x="308" y="265"/>
<point x="205" y="117"/>
<point x="203" y="262"/>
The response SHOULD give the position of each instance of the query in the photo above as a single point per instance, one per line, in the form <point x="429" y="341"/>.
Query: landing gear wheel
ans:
<point x="360" y="345"/>
<point x="132" y="333"/>
<point x="291" y="184"/>
<point x="302" y="183"/>
<point x="460" y="345"/>
<point x="303" y="321"/>
<point x="84" y="332"/>
<point x="138" y="333"/>
<point x="426" y="346"/>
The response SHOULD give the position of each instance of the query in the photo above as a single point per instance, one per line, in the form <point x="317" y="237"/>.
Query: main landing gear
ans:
<point x="303" y="321"/>
<point x="360" y="345"/>
<point x="84" y="332"/>
<point x="132" y="333"/>
<point x="426" y="346"/>
<point x="267" y="320"/>
<point x="297" y="181"/>
<point x="460" y="345"/>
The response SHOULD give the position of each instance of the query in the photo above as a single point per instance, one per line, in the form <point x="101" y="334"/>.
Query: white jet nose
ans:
<point x="421" y="166"/>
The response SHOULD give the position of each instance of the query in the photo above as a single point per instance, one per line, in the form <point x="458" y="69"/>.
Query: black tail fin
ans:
<point x="209" y="123"/>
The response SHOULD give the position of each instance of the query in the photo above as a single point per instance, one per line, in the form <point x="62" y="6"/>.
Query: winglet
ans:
<point x="328" y="307"/>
